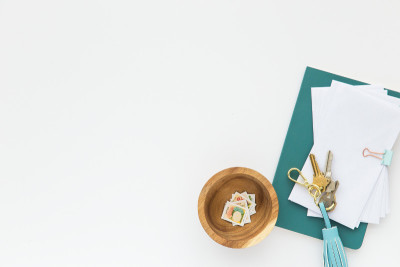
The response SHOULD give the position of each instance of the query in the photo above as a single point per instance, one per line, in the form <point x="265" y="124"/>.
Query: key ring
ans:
<point x="332" y="206"/>
<point x="305" y="184"/>
<point x="313" y="189"/>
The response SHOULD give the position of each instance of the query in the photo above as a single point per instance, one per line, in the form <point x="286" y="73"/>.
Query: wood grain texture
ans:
<point x="219" y="189"/>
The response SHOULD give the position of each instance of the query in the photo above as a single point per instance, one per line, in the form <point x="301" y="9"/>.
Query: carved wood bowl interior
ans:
<point x="219" y="189"/>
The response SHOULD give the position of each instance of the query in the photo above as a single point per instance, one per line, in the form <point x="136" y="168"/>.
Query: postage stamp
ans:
<point x="234" y="213"/>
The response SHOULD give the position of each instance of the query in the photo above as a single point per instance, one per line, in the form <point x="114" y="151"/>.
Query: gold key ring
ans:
<point x="313" y="190"/>
<point x="305" y="184"/>
<point x="333" y="206"/>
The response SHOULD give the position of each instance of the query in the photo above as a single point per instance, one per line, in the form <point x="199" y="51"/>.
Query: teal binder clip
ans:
<point x="386" y="156"/>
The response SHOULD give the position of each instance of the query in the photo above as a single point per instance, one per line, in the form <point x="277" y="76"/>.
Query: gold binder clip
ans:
<point x="372" y="154"/>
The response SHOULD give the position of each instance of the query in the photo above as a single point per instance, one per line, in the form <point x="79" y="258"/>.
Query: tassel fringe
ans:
<point x="334" y="254"/>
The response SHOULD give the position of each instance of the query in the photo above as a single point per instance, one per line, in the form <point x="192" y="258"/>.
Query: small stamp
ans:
<point x="234" y="213"/>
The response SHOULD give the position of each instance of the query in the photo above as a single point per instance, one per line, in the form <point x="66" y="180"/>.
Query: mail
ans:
<point x="347" y="119"/>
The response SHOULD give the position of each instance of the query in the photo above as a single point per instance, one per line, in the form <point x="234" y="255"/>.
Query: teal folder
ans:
<point x="297" y="145"/>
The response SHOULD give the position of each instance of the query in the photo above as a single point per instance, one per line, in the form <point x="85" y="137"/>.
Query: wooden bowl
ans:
<point x="219" y="189"/>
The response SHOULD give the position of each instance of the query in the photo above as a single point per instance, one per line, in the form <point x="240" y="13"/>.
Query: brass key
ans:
<point x="319" y="179"/>
<point x="328" y="168"/>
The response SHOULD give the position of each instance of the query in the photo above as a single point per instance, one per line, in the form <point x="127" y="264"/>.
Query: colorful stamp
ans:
<point x="252" y="199"/>
<point x="234" y="213"/>
<point x="243" y="204"/>
<point x="250" y="204"/>
<point x="237" y="197"/>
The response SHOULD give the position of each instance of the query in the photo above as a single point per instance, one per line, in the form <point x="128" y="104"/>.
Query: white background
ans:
<point x="113" y="114"/>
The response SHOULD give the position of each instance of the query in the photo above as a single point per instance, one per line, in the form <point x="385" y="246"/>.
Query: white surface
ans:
<point x="113" y="115"/>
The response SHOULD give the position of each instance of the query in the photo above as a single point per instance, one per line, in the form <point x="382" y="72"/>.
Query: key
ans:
<point x="328" y="197"/>
<point x="328" y="172"/>
<point x="319" y="179"/>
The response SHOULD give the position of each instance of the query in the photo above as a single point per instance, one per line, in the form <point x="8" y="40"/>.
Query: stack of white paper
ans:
<point x="346" y="120"/>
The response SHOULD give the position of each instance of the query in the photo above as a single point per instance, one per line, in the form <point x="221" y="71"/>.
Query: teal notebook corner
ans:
<point x="297" y="145"/>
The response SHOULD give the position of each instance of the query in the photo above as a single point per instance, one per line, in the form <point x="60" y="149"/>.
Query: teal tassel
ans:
<point x="334" y="255"/>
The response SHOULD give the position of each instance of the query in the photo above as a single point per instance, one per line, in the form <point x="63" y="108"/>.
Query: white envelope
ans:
<point x="354" y="120"/>
<point x="376" y="206"/>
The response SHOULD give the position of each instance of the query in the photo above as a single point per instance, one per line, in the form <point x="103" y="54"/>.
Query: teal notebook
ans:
<point x="298" y="143"/>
